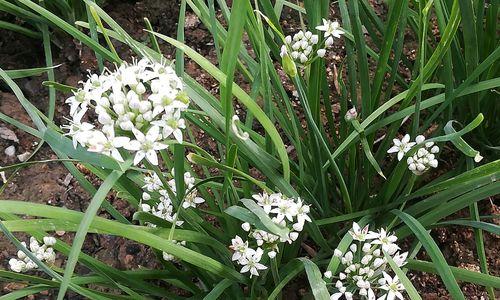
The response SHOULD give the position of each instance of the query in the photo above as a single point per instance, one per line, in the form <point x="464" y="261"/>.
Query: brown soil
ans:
<point x="51" y="183"/>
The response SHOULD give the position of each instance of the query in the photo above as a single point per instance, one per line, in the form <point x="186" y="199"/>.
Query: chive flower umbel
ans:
<point x="364" y="267"/>
<point x="44" y="253"/>
<point x="423" y="159"/>
<point x="287" y="212"/>
<point x="138" y="108"/>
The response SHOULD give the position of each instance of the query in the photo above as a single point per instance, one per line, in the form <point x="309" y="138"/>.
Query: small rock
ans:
<point x="23" y="157"/>
<point x="10" y="151"/>
<point x="67" y="179"/>
<point x="7" y="134"/>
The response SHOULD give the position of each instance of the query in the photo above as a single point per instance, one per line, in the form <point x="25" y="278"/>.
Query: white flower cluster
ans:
<point x="43" y="252"/>
<point x="284" y="211"/>
<point x="303" y="46"/>
<point x="163" y="208"/>
<point x="423" y="159"/>
<point x="364" y="266"/>
<point x="138" y="107"/>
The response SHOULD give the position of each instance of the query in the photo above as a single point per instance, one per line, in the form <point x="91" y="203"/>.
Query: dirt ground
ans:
<point x="50" y="183"/>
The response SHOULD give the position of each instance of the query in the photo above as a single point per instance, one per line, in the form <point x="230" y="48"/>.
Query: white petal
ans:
<point x="120" y="141"/>
<point x="133" y="145"/>
<point x="138" y="157"/>
<point x="153" y="133"/>
<point x="401" y="154"/>
<point x="152" y="157"/>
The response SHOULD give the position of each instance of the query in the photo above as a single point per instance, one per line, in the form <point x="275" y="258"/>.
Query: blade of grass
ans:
<point x="433" y="251"/>
<point x="94" y="206"/>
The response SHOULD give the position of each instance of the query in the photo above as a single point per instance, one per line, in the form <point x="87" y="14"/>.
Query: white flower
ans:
<point x="401" y="146"/>
<point x="266" y="202"/>
<point x="172" y="125"/>
<point x="271" y="254"/>
<point x="400" y="259"/>
<point x="361" y="235"/>
<point x="419" y="139"/>
<point x="79" y="132"/>
<point x="384" y="239"/>
<point x="146" y="145"/>
<point x="79" y="100"/>
<point x="392" y="286"/>
<point x="192" y="200"/>
<point x="330" y="28"/>
<point x="285" y="209"/>
<point x="250" y="262"/>
<point x="107" y="145"/>
<point x="302" y="215"/>
<point x="342" y="292"/>
<point x="239" y="247"/>
<point x="328" y="274"/>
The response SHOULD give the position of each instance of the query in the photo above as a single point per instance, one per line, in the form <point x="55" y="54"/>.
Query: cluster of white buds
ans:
<point x="300" y="47"/>
<point x="423" y="159"/>
<point x="160" y="204"/>
<point x="286" y="212"/>
<point x="304" y="46"/>
<point x="365" y="267"/>
<point x="43" y="252"/>
<point x="138" y="107"/>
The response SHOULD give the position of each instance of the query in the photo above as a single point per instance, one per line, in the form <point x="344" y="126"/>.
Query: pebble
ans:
<point x="10" y="151"/>
<point x="23" y="157"/>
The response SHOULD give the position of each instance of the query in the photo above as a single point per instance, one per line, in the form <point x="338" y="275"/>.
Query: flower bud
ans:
<point x="289" y="66"/>
<point x="119" y="109"/>
<point x="321" y="52"/>
<point x="49" y="240"/>
<point x="140" y="88"/>
<point x="328" y="274"/>
<point x="144" y="106"/>
<point x="420" y="139"/>
<point x="337" y="253"/>
<point x="246" y="226"/>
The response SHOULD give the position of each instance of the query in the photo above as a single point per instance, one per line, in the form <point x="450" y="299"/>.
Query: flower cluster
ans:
<point x="43" y="252"/>
<point x="364" y="266"/>
<point x="286" y="212"/>
<point x="161" y="204"/>
<point x="163" y="208"/>
<point x="423" y="159"/>
<point x="138" y="107"/>
<point x="304" y="45"/>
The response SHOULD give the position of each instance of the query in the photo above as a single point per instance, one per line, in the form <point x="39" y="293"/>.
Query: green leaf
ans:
<point x="459" y="273"/>
<point x="433" y="251"/>
<point x="318" y="285"/>
<point x="83" y="228"/>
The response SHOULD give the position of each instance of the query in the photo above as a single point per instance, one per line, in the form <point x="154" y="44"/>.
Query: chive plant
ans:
<point x="289" y="192"/>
